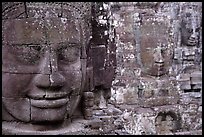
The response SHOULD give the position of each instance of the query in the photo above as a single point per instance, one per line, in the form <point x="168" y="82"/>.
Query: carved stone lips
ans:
<point x="192" y="42"/>
<point x="47" y="95"/>
<point x="49" y="100"/>
<point x="49" y="103"/>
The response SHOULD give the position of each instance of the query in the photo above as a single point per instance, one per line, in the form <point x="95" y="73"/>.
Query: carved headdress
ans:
<point x="71" y="10"/>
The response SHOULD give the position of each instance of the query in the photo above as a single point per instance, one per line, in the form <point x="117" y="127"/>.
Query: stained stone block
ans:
<point x="189" y="58"/>
<point x="88" y="112"/>
<point x="112" y="58"/>
<point x="189" y="51"/>
<point x="108" y="76"/>
<point x="89" y="86"/>
<point x="98" y="112"/>
<point x="99" y="37"/>
<point x="23" y="31"/>
<point x="112" y="47"/>
<point x="19" y="108"/>
<point x="185" y="98"/>
<point x="61" y="30"/>
<point x="196" y="77"/>
<point x="13" y="10"/>
<point x="88" y="95"/>
<point x="88" y="103"/>
<point x="185" y="81"/>
<point x="196" y="80"/>
<point x="95" y="124"/>
<point x="148" y="93"/>
<point x="99" y="55"/>
<point x="188" y="62"/>
<point x="197" y="86"/>
<point x="99" y="77"/>
<point x="159" y="101"/>
<point x="35" y="10"/>
<point x="84" y="73"/>
<point x="106" y="120"/>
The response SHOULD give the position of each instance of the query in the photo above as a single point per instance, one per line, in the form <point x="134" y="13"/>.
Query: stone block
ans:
<point x="35" y="10"/>
<point x="88" y="95"/>
<point x="99" y="77"/>
<point x="13" y="10"/>
<point x="88" y="112"/>
<point x="196" y="77"/>
<point x="89" y="85"/>
<point x="159" y="101"/>
<point x="99" y="37"/>
<point x="98" y="112"/>
<point x="88" y="103"/>
<point x="109" y="73"/>
<point x="63" y="30"/>
<point x="185" y="81"/>
<point x="23" y="31"/>
<point x="95" y="124"/>
<point x="99" y="56"/>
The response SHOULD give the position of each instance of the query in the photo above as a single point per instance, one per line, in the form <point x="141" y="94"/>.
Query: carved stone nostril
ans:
<point x="42" y="81"/>
<point x="56" y="79"/>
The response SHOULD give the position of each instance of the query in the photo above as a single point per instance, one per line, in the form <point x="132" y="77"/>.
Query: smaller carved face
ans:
<point x="166" y="123"/>
<point x="154" y="53"/>
<point x="190" y="30"/>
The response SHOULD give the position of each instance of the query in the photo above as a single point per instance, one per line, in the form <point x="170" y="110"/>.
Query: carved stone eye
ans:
<point x="27" y="54"/>
<point x="190" y="30"/>
<point x="68" y="55"/>
<point x="197" y="29"/>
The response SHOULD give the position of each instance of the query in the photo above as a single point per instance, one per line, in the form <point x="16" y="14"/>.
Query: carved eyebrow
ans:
<point x="68" y="44"/>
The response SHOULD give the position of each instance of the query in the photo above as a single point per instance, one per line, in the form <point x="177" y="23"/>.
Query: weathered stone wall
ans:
<point x="153" y="102"/>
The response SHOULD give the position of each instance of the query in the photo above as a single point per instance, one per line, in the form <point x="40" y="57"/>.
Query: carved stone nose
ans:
<point x="49" y="76"/>
<point x="193" y="36"/>
<point x="158" y="58"/>
<point x="57" y="80"/>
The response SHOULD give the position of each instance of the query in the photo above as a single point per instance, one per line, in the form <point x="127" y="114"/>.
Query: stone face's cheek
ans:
<point x="19" y="108"/>
<point x="14" y="95"/>
<point x="73" y="81"/>
<point x="16" y="85"/>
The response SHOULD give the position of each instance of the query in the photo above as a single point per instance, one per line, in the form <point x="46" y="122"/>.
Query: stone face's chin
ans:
<point x="39" y="115"/>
